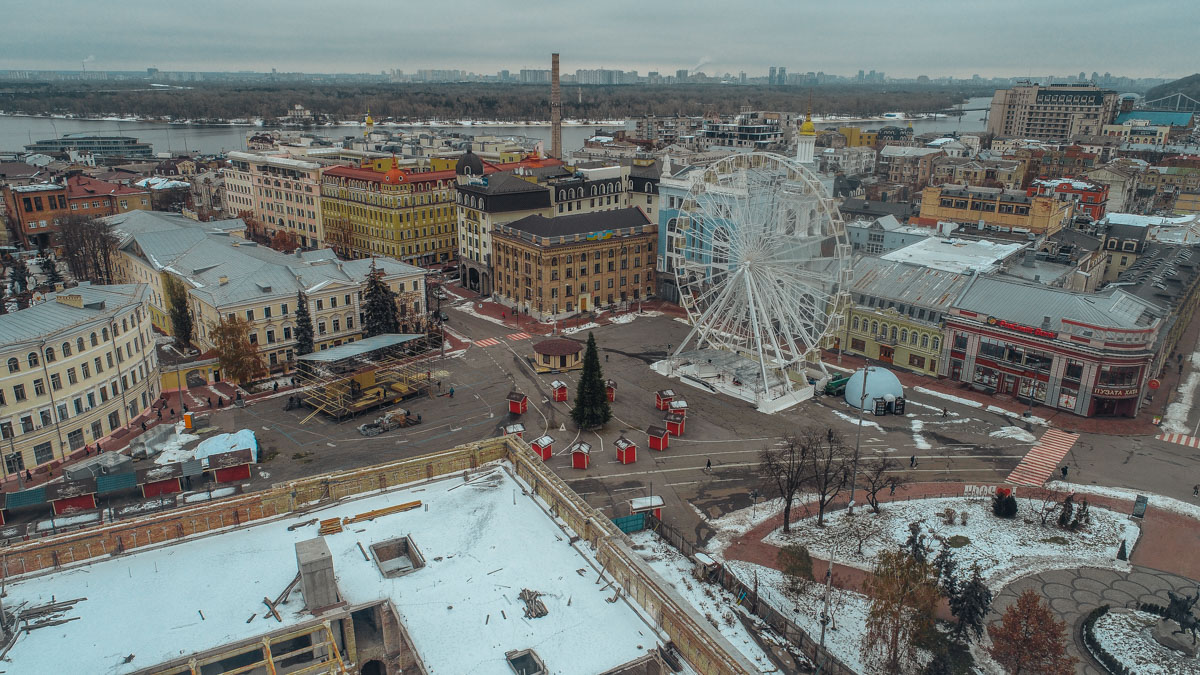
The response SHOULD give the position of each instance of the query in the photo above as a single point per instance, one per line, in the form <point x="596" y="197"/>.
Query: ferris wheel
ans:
<point x="761" y="260"/>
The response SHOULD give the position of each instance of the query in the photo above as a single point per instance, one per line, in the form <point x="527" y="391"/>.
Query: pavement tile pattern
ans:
<point x="487" y="342"/>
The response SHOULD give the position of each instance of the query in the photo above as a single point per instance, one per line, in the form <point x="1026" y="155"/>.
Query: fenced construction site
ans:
<point x="353" y="378"/>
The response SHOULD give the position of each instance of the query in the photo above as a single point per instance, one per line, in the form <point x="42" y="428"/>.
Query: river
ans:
<point x="16" y="132"/>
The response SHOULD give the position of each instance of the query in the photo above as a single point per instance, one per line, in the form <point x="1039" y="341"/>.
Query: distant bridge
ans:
<point x="1178" y="102"/>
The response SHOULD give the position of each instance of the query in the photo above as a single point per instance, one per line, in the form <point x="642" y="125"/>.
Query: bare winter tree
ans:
<point x="89" y="248"/>
<point x="785" y="465"/>
<point x="827" y="467"/>
<point x="877" y="475"/>
<point x="1046" y="506"/>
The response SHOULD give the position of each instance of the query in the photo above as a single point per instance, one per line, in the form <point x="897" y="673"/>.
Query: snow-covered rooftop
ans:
<point x="955" y="255"/>
<point x="1151" y="221"/>
<point x="480" y="545"/>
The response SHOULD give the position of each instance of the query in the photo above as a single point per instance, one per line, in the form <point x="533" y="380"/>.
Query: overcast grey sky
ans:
<point x="1151" y="38"/>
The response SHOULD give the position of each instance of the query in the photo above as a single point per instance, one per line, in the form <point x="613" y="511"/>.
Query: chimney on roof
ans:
<point x="555" y="110"/>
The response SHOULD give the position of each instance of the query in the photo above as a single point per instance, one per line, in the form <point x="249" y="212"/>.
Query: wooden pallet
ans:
<point x="372" y="515"/>
<point x="330" y="526"/>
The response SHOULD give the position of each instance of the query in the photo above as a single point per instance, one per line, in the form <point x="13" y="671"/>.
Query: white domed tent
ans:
<point x="881" y="383"/>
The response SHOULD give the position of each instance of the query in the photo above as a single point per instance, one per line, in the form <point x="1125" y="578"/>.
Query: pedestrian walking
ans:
<point x="185" y="408"/>
<point x="945" y="412"/>
<point x="276" y="386"/>
<point x="439" y="385"/>
<point x="159" y="411"/>
<point x="1196" y="490"/>
<point x="606" y="358"/>
<point x="892" y="490"/>
<point x="209" y="400"/>
<point x="28" y="476"/>
<point x="143" y="425"/>
<point x="172" y="412"/>
<point x="912" y="461"/>
<point x="1064" y="472"/>
<point x="707" y="465"/>
<point x="451" y="392"/>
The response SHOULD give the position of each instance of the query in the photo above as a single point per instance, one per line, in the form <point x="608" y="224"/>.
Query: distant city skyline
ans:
<point x="933" y="38"/>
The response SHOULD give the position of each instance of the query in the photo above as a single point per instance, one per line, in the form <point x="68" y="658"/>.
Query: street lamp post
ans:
<point x="825" y="616"/>
<point x="862" y="400"/>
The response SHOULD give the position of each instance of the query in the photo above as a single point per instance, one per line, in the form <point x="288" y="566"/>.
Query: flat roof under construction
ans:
<point x="360" y="347"/>
<point x="482" y="542"/>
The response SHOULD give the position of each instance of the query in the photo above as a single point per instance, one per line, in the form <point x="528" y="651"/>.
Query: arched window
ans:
<point x="854" y="323"/>
<point x="924" y="342"/>
<point x="904" y="335"/>
<point x="893" y="333"/>
<point x="124" y="326"/>
<point x="14" y="366"/>
<point x="912" y="339"/>
<point x="874" y="327"/>
<point x="936" y="344"/>
<point x="79" y="344"/>
<point x="66" y="349"/>
<point x="93" y="339"/>
<point x="32" y="358"/>
<point x="883" y="329"/>
<point x="104" y="333"/>
<point x="50" y="355"/>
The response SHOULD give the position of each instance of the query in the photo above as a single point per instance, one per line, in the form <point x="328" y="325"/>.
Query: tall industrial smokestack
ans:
<point x="555" y="110"/>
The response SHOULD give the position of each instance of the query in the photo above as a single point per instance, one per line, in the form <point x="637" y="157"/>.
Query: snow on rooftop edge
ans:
<point x="480" y="548"/>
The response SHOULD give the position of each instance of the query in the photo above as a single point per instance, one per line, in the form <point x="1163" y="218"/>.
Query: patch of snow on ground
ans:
<point x="580" y="328"/>
<point x="1004" y="549"/>
<point x="948" y="397"/>
<point x="854" y="420"/>
<point x="1154" y="501"/>
<point x="468" y="308"/>
<point x="1128" y="637"/>
<point x="737" y="523"/>
<point x="1175" y="419"/>
<point x="175" y="443"/>
<point x="918" y="439"/>
<point x="843" y="637"/>
<point x="909" y="401"/>
<point x="66" y="521"/>
<point x="1015" y="433"/>
<point x="215" y="445"/>
<point x="710" y="600"/>
<point x="205" y="496"/>
<point x="1034" y="419"/>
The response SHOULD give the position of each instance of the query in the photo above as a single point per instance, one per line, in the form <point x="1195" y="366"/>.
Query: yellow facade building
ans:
<point x="996" y="208"/>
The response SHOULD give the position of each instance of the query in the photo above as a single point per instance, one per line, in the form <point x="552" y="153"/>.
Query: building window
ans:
<point x="916" y="361"/>
<point x="42" y="453"/>
<point x="39" y="387"/>
<point x="14" y="365"/>
<point x="857" y="345"/>
<point x="55" y="381"/>
<point x="114" y="420"/>
<point x="32" y="358"/>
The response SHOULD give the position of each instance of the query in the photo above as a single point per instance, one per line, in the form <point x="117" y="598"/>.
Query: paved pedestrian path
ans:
<point x="487" y="342"/>
<point x="1041" y="460"/>
<point x="1181" y="439"/>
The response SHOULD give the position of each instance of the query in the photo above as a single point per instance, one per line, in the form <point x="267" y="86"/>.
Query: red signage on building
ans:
<point x="1022" y="328"/>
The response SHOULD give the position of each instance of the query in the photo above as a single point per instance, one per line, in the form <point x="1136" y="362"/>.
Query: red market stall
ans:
<point x="518" y="403"/>
<point x="72" y="495"/>
<point x="652" y="504"/>
<point x="659" y="437"/>
<point x="230" y="467"/>
<point x="674" y="422"/>
<point x="626" y="450"/>
<point x="560" y="390"/>
<point x="678" y="406"/>
<point x="663" y="398"/>
<point x="516" y="429"/>
<point x="543" y="447"/>
<point x="161" y="480"/>
<point x="610" y="389"/>
<point x="581" y="455"/>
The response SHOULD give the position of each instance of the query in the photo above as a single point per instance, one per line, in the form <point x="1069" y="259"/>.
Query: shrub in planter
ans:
<point x="1004" y="505"/>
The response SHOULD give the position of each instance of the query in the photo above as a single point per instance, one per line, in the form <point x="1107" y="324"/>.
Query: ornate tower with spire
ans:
<point x="806" y="139"/>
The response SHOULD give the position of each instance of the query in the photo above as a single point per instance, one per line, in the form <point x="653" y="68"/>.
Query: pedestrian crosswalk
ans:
<point x="518" y="336"/>
<point x="1181" y="439"/>
<point x="487" y="342"/>
<point x="1042" y="460"/>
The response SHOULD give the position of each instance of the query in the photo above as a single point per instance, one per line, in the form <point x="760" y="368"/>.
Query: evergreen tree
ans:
<point x="915" y="545"/>
<point x="591" y="401"/>
<point x="53" y="276"/>
<point x="380" y="306"/>
<point x="970" y="605"/>
<point x="946" y="568"/>
<point x="939" y="665"/>
<point x="18" y="276"/>
<point x="304" y="327"/>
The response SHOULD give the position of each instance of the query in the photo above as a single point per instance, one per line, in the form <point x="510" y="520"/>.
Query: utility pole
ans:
<point x="825" y="616"/>
<point x="862" y="400"/>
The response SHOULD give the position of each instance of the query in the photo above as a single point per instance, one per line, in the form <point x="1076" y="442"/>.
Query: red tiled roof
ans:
<point x="82" y="186"/>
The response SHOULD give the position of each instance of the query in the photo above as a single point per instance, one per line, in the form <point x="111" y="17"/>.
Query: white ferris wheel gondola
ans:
<point x="762" y="264"/>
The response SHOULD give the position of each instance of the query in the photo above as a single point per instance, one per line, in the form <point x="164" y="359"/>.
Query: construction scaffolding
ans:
<point x="353" y="378"/>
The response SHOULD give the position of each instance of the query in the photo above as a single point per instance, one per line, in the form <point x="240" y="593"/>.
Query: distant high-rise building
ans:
<point x="1056" y="112"/>
<point x="555" y="110"/>
<point x="771" y="76"/>
<point x="781" y="76"/>
<point x="681" y="75"/>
